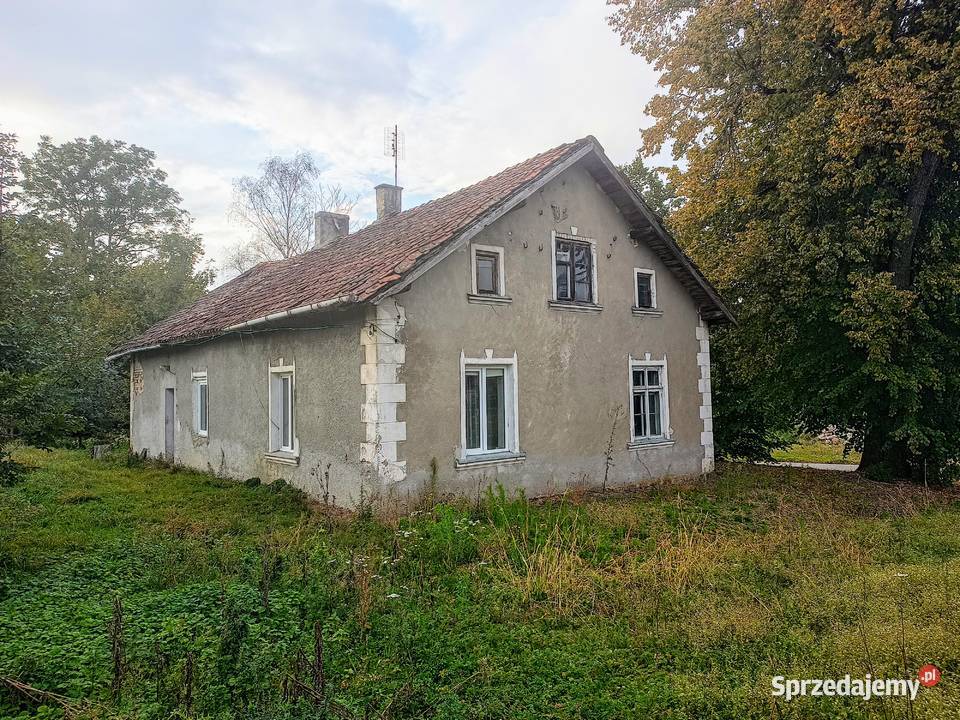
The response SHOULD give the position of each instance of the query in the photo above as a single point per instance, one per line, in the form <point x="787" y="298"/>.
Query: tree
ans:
<point x="108" y="197"/>
<point x="97" y="251"/>
<point x="658" y="191"/>
<point x="10" y="159"/>
<point x="279" y="207"/>
<point x="822" y="196"/>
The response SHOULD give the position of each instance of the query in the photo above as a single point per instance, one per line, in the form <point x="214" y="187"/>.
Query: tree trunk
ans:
<point x="888" y="459"/>
<point x="901" y="262"/>
<point x="883" y="457"/>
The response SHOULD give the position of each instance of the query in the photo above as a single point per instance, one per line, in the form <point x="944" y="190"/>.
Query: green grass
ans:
<point x="811" y="450"/>
<point x="678" y="601"/>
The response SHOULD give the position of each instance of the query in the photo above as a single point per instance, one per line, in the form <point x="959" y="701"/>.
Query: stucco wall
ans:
<point x="572" y="367"/>
<point x="327" y="392"/>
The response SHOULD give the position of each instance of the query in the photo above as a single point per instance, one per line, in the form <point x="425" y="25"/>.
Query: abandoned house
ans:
<point x="539" y="329"/>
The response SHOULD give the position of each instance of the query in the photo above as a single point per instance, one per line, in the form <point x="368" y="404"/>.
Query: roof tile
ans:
<point x="358" y="266"/>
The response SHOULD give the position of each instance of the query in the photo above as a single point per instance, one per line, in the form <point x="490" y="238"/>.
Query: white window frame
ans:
<point x="274" y="426"/>
<point x="501" y="274"/>
<point x="554" y="236"/>
<point x="653" y="288"/>
<point x="511" y="404"/>
<point x="666" y="434"/>
<point x="200" y="379"/>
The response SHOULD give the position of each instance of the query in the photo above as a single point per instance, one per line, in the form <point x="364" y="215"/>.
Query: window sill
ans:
<point x="475" y="461"/>
<point x="489" y="299"/>
<point x="574" y="307"/>
<point x="648" y="444"/>
<point x="282" y="457"/>
<point x="646" y="312"/>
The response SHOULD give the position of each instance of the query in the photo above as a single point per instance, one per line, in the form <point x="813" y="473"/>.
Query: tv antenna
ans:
<point x="394" y="146"/>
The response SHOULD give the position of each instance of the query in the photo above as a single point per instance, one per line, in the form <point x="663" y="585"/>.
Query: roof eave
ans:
<point x="723" y="313"/>
<point x="238" y="327"/>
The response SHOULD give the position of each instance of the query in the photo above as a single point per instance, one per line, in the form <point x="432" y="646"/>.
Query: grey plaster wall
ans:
<point x="572" y="367"/>
<point x="327" y="391"/>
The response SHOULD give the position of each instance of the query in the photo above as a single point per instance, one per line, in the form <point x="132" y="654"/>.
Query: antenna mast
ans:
<point x="393" y="146"/>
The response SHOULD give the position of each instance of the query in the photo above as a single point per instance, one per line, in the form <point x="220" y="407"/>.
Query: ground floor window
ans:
<point x="648" y="400"/>
<point x="282" y="414"/>
<point x="200" y="404"/>
<point x="488" y="408"/>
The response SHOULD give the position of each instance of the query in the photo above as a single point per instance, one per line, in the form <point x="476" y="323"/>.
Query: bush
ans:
<point x="11" y="472"/>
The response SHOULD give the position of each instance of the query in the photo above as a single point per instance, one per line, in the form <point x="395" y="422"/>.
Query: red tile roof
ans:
<point x="354" y="268"/>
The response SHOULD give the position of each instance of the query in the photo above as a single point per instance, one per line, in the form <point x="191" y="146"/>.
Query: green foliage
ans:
<point x="679" y="601"/>
<point x="94" y="251"/>
<point x="657" y="191"/>
<point x="822" y="198"/>
<point x="11" y="472"/>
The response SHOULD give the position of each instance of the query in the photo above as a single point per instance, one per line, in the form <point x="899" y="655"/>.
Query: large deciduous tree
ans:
<point x="112" y="203"/>
<point x="653" y="185"/>
<point x="96" y="249"/>
<point x="823" y="197"/>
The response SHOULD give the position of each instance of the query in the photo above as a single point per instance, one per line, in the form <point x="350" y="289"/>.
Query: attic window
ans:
<point x="646" y="288"/>
<point x="487" y="274"/>
<point x="575" y="269"/>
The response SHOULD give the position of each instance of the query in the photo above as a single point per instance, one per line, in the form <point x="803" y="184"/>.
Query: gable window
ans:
<point x="487" y="272"/>
<point x="649" y="407"/>
<point x="200" y="403"/>
<point x="645" y="282"/>
<point x="488" y="407"/>
<point x="574" y="273"/>
<point x="282" y="415"/>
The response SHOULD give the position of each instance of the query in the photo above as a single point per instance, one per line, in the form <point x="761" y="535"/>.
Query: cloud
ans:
<point x="216" y="87"/>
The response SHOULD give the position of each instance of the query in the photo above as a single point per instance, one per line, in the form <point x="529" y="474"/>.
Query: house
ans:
<point x="538" y="329"/>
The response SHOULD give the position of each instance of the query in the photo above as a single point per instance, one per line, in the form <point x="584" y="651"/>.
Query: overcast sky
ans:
<point x="215" y="87"/>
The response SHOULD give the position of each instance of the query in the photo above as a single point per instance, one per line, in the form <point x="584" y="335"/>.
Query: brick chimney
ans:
<point x="328" y="227"/>
<point x="388" y="200"/>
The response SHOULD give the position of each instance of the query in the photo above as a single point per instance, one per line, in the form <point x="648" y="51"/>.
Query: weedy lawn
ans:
<point x="149" y="592"/>
<point x="812" y="450"/>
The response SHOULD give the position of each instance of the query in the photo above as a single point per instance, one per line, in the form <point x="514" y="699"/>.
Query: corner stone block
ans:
<point x="386" y="432"/>
<point x="386" y="393"/>
<point x="379" y="373"/>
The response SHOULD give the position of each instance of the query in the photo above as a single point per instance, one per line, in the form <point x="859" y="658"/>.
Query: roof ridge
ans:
<point x="362" y="266"/>
<point x="429" y="204"/>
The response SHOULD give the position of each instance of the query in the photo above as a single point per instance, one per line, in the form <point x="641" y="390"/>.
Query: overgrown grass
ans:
<point x="812" y="450"/>
<point x="679" y="601"/>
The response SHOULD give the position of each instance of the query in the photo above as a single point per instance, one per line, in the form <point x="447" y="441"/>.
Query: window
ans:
<point x="489" y="407"/>
<point x="646" y="289"/>
<point x="487" y="273"/>
<point x="282" y="431"/>
<point x="487" y="263"/>
<point x="575" y="270"/>
<point x="200" y="403"/>
<point x="649" y="416"/>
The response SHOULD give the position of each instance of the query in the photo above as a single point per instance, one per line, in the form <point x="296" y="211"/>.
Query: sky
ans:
<point x="214" y="87"/>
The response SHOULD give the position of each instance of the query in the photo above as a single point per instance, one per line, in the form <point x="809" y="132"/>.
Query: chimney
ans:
<point x="329" y="226"/>
<point x="388" y="200"/>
